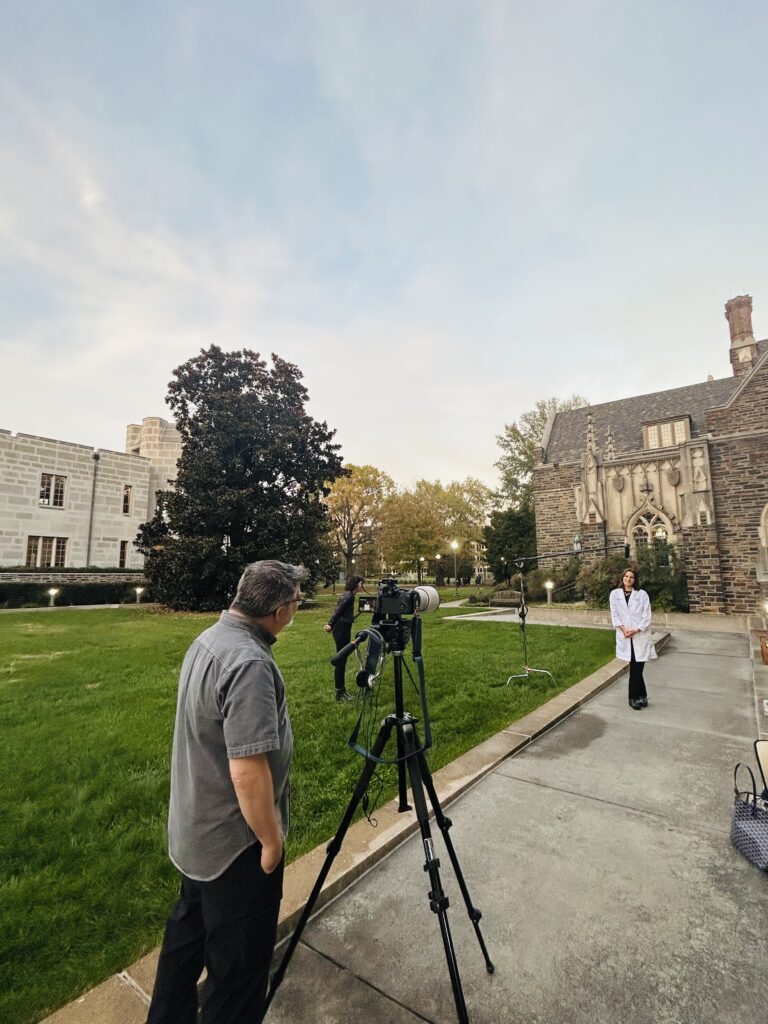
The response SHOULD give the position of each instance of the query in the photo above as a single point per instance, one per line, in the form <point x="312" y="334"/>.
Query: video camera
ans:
<point x="392" y="601"/>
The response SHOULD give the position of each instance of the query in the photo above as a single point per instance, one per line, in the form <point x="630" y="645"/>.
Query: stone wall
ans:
<point x="91" y="518"/>
<point x="699" y="549"/>
<point x="89" y="476"/>
<point x="556" y="524"/>
<point x="739" y="465"/>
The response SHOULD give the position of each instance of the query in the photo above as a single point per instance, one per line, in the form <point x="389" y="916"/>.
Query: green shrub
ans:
<point x="566" y="577"/>
<point x="31" y="595"/>
<point x="661" y="573"/>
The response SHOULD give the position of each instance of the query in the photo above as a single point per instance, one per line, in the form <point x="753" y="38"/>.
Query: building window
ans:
<point x="61" y="552"/>
<point x="667" y="434"/>
<point x="650" y="530"/>
<point x="123" y="553"/>
<point x="33" y="543"/>
<point x="126" y="499"/>
<point x="46" y="552"/>
<point x="52" y="490"/>
<point x="660" y="545"/>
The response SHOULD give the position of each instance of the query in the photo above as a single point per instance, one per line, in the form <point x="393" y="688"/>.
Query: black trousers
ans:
<point x="636" y="681"/>
<point x="228" y="926"/>
<point x="342" y="634"/>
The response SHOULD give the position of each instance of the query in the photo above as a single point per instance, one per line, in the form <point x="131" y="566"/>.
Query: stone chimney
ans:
<point x="738" y="313"/>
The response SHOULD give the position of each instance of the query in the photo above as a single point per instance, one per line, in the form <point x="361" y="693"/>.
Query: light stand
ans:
<point x="527" y="669"/>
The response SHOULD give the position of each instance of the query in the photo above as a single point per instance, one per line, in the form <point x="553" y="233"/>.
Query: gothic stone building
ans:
<point x="687" y="467"/>
<point x="65" y="505"/>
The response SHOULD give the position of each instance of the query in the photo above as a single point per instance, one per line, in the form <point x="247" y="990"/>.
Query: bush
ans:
<point x="566" y="577"/>
<point x="32" y="595"/>
<point x="661" y="573"/>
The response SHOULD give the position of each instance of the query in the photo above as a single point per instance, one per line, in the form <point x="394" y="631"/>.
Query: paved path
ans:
<point x="600" y="858"/>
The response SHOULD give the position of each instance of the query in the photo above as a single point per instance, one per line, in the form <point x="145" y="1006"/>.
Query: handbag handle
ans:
<point x="736" y="784"/>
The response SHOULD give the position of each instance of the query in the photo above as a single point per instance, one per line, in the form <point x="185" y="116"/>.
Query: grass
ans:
<point x="87" y="701"/>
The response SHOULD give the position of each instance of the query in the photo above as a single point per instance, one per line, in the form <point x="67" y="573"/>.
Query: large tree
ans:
<point x="253" y="473"/>
<point x="518" y="444"/>
<point x="511" y="534"/>
<point x="354" y="507"/>
<point x="421" y="522"/>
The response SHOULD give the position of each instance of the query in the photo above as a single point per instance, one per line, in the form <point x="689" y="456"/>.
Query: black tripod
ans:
<point x="410" y="758"/>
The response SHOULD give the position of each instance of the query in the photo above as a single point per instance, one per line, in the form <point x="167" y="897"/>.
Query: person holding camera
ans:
<point x="631" y="615"/>
<point x="229" y="808"/>
<point x="340" y="625"/>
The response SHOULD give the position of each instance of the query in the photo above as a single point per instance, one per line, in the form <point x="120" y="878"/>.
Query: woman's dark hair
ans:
<point x="353" y="583"/>
<point x="633" y="570"/>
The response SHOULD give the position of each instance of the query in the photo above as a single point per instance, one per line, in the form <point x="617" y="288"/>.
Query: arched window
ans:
<point x="651" y="530"/>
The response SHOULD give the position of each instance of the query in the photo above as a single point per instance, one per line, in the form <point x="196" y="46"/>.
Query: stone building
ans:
<point x="65" y="505"/>
<point x="687" y="467"/>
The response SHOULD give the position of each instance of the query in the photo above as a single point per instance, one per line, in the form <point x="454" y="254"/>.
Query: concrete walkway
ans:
<point x="598" y="853"/>
<point x="600" y="858"/>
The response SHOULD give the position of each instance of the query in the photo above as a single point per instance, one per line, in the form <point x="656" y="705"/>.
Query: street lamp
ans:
<point x="549" y="585"/>
<point x="455" y="546"/>
<point x="421" y="568"/>
<point x="52" y="596"/>
<point x="139" y="592"/>
<point x="577" y="545"/>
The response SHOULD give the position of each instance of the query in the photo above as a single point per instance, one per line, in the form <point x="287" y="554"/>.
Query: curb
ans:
<point x="124" y="998"/>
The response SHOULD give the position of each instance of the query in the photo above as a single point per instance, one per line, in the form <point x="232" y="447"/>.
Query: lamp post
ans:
<point x="455" y="546"/>
<point x="437" y="570"/>
<point x="549" y="585"/>
<point x="52" y="596"/>
<point x="139" y="592"/>
<point x="577" y="545"/>
<point x="421" y="568"/>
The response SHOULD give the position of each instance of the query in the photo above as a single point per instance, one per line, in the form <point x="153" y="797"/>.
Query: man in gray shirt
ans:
<point x="229" y="808"/>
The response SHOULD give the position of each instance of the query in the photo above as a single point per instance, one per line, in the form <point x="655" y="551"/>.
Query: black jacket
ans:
<point x="345" y="610"/>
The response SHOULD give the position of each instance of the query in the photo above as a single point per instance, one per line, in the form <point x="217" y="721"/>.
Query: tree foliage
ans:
<point x="421" y="522"/>
<point x="251" y="478"/>
<point x="518" y="444"/>
<point x="511" y="534"/>
<point x="355" y="506"/>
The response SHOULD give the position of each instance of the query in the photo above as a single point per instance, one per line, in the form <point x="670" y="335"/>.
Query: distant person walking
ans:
<point x="631" y="615"/>
<point x="340" y="625"/>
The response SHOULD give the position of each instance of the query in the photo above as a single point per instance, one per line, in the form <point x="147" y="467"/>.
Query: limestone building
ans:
<point x="687" y="467"/>
<point x="66" y="505"/>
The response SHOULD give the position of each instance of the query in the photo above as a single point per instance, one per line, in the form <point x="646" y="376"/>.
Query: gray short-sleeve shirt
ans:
<point x="231" y="703"/>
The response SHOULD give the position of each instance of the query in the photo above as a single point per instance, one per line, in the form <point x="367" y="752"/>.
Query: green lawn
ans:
<point x="86" y="710"/>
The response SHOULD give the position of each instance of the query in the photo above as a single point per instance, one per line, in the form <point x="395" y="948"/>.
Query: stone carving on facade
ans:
<point x="700" y="481"/>
<point x="588" y="495"/>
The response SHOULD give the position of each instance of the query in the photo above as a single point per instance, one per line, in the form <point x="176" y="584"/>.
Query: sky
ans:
<point x="440" y="211"/>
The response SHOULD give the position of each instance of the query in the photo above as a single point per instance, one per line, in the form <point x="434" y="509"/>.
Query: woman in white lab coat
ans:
<point x="631" y="615"/>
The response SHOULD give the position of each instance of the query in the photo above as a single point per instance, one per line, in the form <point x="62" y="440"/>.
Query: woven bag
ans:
<point x="749" y="824"/>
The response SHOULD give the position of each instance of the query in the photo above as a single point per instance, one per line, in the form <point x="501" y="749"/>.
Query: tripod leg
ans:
<point x="444" y="824"/>
<point x="438" y="901"/>
<point x="333" y="849"/>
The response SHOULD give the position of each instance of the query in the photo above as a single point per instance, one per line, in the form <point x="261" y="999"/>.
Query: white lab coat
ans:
<point x="635" y="615"/>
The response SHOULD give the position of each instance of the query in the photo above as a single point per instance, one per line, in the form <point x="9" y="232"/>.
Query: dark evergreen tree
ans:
<point x="510" y="535"/>
<point x="253" y="471"/>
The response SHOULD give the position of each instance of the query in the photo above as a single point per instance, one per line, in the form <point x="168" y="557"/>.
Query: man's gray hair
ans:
<point x="266" y="585"/>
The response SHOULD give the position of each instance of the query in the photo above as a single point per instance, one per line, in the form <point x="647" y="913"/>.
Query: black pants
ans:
<point x="342" y="634"/>
<point x="636" y="681"/>
<point x="228" y="926"/>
